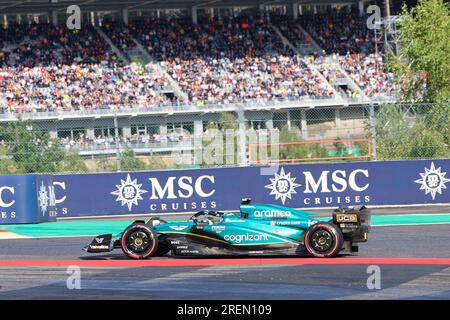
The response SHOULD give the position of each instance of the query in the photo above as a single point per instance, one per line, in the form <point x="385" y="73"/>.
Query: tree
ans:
<point x="298" y="151"/>
<point x="438" y="118"/>
<point x="228" y="120"/>
<point x="72" y="162"/>
<point x="427" y="143"/>
<point x="7" y="164"/>
<point x="156" y="162"/>
<point x="129" y="161"/>
<point x="33" y="150"/>
<point x="423" y="71"/>
<point x="392" y="130"/>
<point x="341" y="148"/>
<point x="104" y="164"/>
<point x="402" y="137"/>
<point x="217" y="138"/>
<point x="291" y="151"/>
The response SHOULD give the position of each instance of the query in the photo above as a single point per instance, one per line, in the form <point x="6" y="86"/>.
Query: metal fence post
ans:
<point x="242" y="138"/>
<point x="373" y="131"/>
<point x="116" y="134"/>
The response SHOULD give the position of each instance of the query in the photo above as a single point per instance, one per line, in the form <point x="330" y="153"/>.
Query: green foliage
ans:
<point x="438" y="119"/>
<point x="28" y="150"/>
<point x="227" y="120"/>
<point x="393" y="133"/>
<point x="298" y="151"/>
<point x="73" y="163"/>
<point x="7" y="164"/>
<point x="423" y="73"/>
<point x="427" y="143"/>
<point x="291" y="151"/>
<point x="32" y="150"/>
<point x="317" y="151"/>
<point x="156" y="162"/>
<point x="104" y="164"/>
<point x="218" y="137"/>
<point x="340" y="147"/>
<point x="401" y="137"/>
<point x="129" y="161"/>
<point x="425" y="52"/>
<point x="363" y="147"/>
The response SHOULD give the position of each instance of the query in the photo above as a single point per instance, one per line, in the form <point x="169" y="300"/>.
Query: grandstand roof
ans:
<point x="38" y="6"/>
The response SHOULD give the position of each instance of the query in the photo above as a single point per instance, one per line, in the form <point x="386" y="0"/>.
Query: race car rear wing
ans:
<point x="354" y="222"/>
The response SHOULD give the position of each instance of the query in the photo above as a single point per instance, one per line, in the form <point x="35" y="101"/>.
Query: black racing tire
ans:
<point x="323" y="240"/>
<point x="139" y="241"/>
<point x="163" y="246"/>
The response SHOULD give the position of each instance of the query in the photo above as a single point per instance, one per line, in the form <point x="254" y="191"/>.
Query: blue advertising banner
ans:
<point x="26" y="199"/>
<point x="298" y="186"/>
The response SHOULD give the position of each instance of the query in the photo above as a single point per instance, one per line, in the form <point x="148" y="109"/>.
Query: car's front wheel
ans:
<point x="323" y="240"/>
<point x="139" y="241"/>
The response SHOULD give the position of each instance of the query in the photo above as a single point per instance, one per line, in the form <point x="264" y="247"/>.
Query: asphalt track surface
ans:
<point x="268" y="278"/>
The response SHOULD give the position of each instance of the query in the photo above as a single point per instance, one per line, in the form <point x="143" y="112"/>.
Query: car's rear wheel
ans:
<point x="323" y="240"/>
<point x="139" y="241"/>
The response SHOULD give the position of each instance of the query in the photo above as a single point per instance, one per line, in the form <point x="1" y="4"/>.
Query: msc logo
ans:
<point x="182" y="187"/>
<point x="432" y="181"/>
<point x="129" y="192"/>
<point x="283" y="186"/>
<point x="59" y="189"/>
<point x="347" y="218"/>
<point x="339" y="181"/>
<point x="4" y="190"/>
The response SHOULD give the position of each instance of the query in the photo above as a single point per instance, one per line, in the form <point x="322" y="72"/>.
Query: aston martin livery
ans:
<point x="257" y="229"/>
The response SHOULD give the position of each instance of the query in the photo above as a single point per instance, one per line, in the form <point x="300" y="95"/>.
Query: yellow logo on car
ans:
<point x="347" y="218"/>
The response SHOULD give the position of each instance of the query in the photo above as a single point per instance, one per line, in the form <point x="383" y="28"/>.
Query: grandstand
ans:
<point x="153" y="73"/>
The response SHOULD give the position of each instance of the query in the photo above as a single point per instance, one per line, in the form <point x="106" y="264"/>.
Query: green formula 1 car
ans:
<point x="258" y="229"/>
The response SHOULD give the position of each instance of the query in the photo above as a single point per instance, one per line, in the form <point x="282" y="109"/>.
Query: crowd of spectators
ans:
<point x="120" y="35"/>
<point x="343" y="33"/>
<point x="227" y="60"/>
<point x="79" y="87"/>
<point x="14" y="34"/>
<point x="43" y="44"/>
<point x="340" y="30"/>
<point x="291" y="30"/>
<point x="53" y="69"/>
<point x="369" y="73"/>
<point x="234" y="59"/>
<point x="327" y="68"/>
